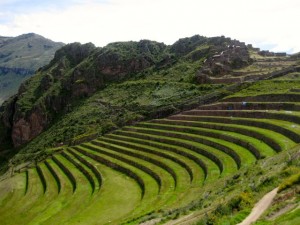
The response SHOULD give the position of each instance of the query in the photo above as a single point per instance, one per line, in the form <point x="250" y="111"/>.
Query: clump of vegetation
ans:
<point x="289" y="182"/>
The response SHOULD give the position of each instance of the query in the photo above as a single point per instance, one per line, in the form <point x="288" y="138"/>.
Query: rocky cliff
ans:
<point x="78" y="71"/>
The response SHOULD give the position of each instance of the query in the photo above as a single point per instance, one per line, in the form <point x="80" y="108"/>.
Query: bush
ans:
<point x="287" y="183"/>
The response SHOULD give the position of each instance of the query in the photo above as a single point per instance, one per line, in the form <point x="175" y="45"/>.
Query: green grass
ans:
<point x="245" y="156"/>
<point x="285" y="207"/>
<point x="268" y="87"/>
<point x="146" y="145"/>
<point x="154" y="152"/>
<point x="159" y="147"/>
<point x="274" y="125"/>
<point x="283" y="141"/>
<point x="181" y="145"/>
<point x="194" y="148"/>
<point x="114" y="107"/>
<point x="242" y="132"/>
<point x="257" y="144"/>
<point x="168" y="182"/>
<point x="19" y="204"/>
<point x="103" y="205"/>
<point x="182" y="177"/>
<point x="290" y="76"/>
<point x="289" y="218"/>
<point x="201" y="164"/>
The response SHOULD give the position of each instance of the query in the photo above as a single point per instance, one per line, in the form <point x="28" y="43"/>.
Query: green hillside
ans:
<point x="20" y="57"/>
<point x="145" y="133"/>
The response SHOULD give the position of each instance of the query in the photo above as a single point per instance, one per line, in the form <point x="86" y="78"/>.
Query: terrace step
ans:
<point x="82" y="169"/>
<point x="289" y="106"/>
<point x="42" y="178"/>
<point x="119" y="166"/>
<point x="112" y="182"/>
<point x="238" y="153"/>
<point x="34" y="185"/>
<point x="285" y="97"/>
<point x="122" y="151"/>
<point x="89" y="165"/>
<point x="284" y="116"/>
<point x="63" y="182"/>
<point x="209" y="157"/>
<point x="26" y="182"/>
<point x="152" y="151"/>
<point x="186" y="160"/>
<point x="285" y="128"/>
<point x="52" y="189"/>
<point x="16" y="202"/>
<point x="244" y="133"/>
<point x="67" y="172"/>
<point x="229" y="136"/>
<point x="55" y="176"/>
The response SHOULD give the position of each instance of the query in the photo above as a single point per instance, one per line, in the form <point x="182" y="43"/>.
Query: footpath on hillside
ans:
<point x="260" y="208"/>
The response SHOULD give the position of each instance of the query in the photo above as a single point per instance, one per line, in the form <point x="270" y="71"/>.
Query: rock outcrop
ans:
<point x="26" y="128"/>
<point x="77" y="71"/>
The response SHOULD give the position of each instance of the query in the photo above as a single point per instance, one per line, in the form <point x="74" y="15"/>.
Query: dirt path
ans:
<point x="260" y="207"/>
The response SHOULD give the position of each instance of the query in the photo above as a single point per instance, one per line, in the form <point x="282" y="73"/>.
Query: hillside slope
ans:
<point x="79" y="71"/>
<point x="86" y="91"/>
<point x="20" y="57"/>
<point x="140" y="131"/>
<point x="212" y="162"/>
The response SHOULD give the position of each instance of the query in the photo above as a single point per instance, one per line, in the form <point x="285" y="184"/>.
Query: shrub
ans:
<point x="292" y="180"/>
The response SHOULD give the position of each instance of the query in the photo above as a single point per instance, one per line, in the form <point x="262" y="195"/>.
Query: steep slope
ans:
<point x="129" y="133"/>
<point x="86" y="91"/>
<point x="78" y="71"/>
<point x="19" y="58"/>
<point x="212" y="162"/>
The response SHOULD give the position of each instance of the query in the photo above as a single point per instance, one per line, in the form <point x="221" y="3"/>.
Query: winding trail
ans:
<point x="260" y="207"/>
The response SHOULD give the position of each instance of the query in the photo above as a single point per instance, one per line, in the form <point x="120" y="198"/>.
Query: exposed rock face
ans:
<point x="77" y="71"/>
<point x="25" y="130"/>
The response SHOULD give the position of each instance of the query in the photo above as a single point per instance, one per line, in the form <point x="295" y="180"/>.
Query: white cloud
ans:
<point x="258" y="22"/>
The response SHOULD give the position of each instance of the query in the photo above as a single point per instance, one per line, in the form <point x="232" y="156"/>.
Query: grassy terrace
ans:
<point x="211" y="166"/>
<point x="289" y="129"/>
<point x="233" y="134"/>
<point x="251" y="136"/>
<point x="287" y="106"/>
<point x="161" y="167"/>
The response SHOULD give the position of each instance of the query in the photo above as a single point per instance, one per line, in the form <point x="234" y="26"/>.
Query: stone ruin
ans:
<point x="233" y="56"/>
<point x="270" y="54"/>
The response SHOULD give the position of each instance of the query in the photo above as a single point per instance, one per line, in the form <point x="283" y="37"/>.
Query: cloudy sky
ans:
<point x="269" y="24"/>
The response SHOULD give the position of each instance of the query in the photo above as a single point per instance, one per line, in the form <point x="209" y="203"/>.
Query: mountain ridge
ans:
<point x="20" y="57"/>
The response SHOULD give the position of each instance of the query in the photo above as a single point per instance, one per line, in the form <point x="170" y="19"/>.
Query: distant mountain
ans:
<point x="20" y="57"/>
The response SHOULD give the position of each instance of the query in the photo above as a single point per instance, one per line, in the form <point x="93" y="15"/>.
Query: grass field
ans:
<point x="213" y="163"/>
